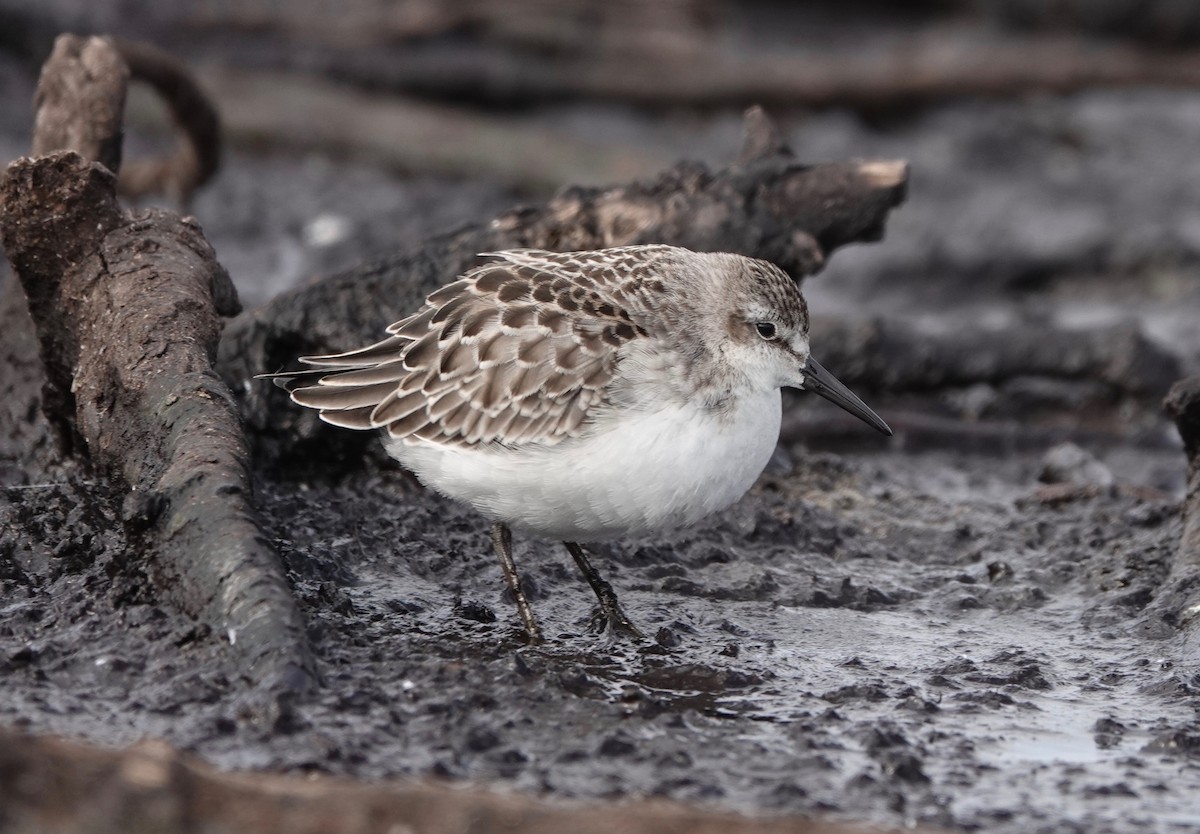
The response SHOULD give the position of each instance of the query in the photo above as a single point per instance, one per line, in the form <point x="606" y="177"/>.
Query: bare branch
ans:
<point x="127" y="311"/>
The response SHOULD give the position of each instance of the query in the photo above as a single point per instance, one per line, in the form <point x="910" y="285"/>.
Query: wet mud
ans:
<point x="913" y="631"/>
<point x="837" y="642"/>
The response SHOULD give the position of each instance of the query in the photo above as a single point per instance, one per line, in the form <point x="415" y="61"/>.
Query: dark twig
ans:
<point x="197" y="153"/>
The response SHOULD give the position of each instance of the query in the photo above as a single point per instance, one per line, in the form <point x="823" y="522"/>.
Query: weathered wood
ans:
<point x="85" y="108"/>
<point x="766" y="206"/>
<point x="638" y="52"/>
<point x="127" y="311"/>
<point x="922" y="430"/>
<point x="1159" y="22"/>
<point x="49" y="784"/>
<point x="898" y="357"/>
<point x="288" y="110"/>
<point x="699" y="52"/>
<point x="81" y="103"/>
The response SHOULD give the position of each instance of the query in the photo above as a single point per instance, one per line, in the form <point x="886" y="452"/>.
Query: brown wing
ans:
<point x="516" y="351"/>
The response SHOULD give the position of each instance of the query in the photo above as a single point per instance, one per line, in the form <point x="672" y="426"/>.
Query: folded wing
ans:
<point x="519" y="350"/>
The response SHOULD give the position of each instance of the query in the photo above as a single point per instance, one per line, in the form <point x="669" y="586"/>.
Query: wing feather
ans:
<point x="518" y="350"/>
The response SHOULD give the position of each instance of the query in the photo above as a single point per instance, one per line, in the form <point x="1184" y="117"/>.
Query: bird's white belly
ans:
<point x="653" y="469"/>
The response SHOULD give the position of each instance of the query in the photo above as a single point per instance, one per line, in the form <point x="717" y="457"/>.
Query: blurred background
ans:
<point x="1052" y="149"/>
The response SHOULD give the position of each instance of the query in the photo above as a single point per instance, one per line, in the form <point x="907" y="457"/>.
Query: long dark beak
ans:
<point x="820" y="381"/>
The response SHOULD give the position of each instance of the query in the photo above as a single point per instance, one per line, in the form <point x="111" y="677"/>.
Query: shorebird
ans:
<point x="584" y="396"/>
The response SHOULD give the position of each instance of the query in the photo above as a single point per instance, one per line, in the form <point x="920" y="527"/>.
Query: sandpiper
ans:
<point x="584" y="396"/>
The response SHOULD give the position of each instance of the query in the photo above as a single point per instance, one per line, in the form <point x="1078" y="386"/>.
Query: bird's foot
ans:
<point x="612" y="618"/>
<point x="533" y="633"/>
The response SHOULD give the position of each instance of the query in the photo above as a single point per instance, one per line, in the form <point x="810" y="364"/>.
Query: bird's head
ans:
<point x="766" y="321"/>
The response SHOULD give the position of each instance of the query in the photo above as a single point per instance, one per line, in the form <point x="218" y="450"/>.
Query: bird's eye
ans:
<point x="765" y="329"/>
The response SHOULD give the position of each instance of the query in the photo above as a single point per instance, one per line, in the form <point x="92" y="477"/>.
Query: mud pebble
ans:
<point x="788" y="792"/>
<point x="441" y="770"/>
<point x="915" y="703"/>
<point x="677" y="758"/>
<point x="879" y="738"/>
<point x="616" y="746"/>
<point x="470" y="609"/>
<point x="991" y="698"/>
<point x="1107" y="733"/>
<point x="1000" y="571"/>
<point x="511" y="762"/>
<point x="650" y="708"/>
<point x="686" y="587"/>
<point x="23" y="656"/>
<point x="521" y="666"/>
<point x="578" y="682"/>
<point x="1026" y="676"/>
<point x="631" y="693"/>
<point x="872" y="597"/>
<point x="1118" y="789"/>
<point x="663" y="571"/>
<point x="481" y="739"/>
<point x="856" y="692"/>
<point x="1179" y="741"/>
<point x="733" y="628"/>
<point x="667" y="638"/>
<point x="700" y="678"/>
<point x="401" y="606"/>
<point x="904" y="766"/>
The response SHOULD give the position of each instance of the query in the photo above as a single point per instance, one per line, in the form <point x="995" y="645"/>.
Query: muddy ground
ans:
<point x="904" y="631"/>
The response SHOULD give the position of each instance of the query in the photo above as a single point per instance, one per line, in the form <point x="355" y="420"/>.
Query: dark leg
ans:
<point x="617" y="619"/>
<point x="502" y="540"/>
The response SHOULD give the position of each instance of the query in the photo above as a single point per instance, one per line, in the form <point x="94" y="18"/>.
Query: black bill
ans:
<point x="820" y="381"/>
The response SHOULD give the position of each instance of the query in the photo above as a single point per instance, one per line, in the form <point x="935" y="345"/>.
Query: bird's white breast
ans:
<point x="647" y="470"/>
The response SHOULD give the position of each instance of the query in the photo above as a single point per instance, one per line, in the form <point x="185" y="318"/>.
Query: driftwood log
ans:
<point x="939" y="62"/>
<point x="127" y="312"/>
<point x="405" y="133"/>
<point x="695" y="52"/>
<point x="52" y="785"/>
<point x="679" y="52"/>
<point x="766" y="205"/>
<point x="898" y="357"/>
